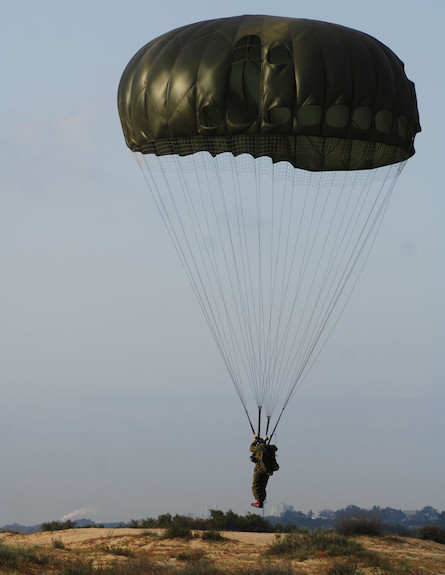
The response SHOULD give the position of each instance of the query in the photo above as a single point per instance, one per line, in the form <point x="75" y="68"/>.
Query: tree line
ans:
<point x="389" y="519"/>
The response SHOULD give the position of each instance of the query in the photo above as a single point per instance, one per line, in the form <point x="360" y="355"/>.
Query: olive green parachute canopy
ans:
<point x="318" y="95"/>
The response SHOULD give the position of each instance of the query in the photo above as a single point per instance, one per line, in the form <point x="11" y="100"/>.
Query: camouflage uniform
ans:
<point x="264" y="458"/>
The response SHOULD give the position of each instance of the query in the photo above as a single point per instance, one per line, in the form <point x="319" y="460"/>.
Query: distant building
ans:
<point x="278" y="510"/>
<point x="410" y="512"/>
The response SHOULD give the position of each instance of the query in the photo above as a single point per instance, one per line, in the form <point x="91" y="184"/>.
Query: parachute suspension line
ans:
<point x="366" y="241"/>
<point x="196" y="261"/>
<point x="307" y="250"/>
<point x="281" y="210"/>
<point x="317" y="337"/>
<point x="291" y="263"/>
<point x="225" y="339"/>
<point x="267" y="256"/>
<point x="317" y="329"/>
<point x="259" y="421"/>
<point x="246" y="286"/>
<point x="247" y="290"/>
<point x="283" y="261"/>
<point x="187" y="258"/>
<point x="250" y="314"/>
<point x="245" y="312"/>
<point x="269" y="251"/>
<point x="232" y="238"/>
<point x="283" y="247"/>
<point x="180" y="243"/>
<point x="240" y="250"/>
<point x="250" y="421"/>
<point x="230" y="255"/>
<point x="366" y="238"/>
<point x="259" y="283"/>
<point x="275" y="232"/>
<point x="312" y="289"/>
<point x="252" y="264"/>
<point x="268" y="379"/>
<point x="260" y="250"/>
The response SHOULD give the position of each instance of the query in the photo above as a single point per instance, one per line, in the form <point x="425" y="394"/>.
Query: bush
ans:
<point x="175" y="531"/>
<point x="13" y="557"/>
<point x="58" y="525"/>
<point x="212" y="536"/>
<point x="360" y="523"/>
<point x="304" y="543"/>
<point x="432" y="533"/>
<point x="191" y="555"/>
<point x="117" y="550"/>
<point x="58" y="544"/>
<point x="148" y="533"/>
<point x="164" y="520"/>
<point x="139" y="566"/>
<point x="80" y="567"/>
<point x="231" y="521"/>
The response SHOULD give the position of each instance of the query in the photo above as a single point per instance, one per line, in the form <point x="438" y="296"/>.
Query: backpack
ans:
<point x="269" y="459"/>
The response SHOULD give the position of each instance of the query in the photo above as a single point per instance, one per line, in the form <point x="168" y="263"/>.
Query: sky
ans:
<point x="114" y="401"/>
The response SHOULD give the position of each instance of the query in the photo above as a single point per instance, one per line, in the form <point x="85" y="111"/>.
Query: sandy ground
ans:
<point x="235" y="551"/>
<point x="73" y="537"/>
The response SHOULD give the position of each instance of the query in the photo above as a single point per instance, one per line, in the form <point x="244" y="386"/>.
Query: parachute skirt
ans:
<point x="313" y="153"/>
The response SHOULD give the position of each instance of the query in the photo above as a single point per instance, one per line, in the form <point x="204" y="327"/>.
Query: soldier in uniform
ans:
<point x="263" y="455"/>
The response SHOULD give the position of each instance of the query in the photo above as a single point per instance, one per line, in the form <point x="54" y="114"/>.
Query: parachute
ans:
<point x="271" y="147"/>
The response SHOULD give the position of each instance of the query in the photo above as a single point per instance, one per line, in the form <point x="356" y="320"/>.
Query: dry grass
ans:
<point x="135" y="551"/>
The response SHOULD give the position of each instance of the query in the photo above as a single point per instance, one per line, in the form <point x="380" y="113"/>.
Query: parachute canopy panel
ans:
<point x="318" y="95"/>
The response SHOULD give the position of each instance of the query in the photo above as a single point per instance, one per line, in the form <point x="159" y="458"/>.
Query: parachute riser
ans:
<point x="259" y="423"/>
<point x="250" y="421"/>
<point x="276" y="425"/>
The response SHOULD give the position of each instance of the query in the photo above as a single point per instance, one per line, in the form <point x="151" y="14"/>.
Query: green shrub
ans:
<point x="117" y="550"/>
<point x="58" y="544"/>
<point x="304" y="543"/>
<point x="13" y="557"/>
<point x="140" y="566"/>
<point x="59" y="525"/>
<point x="432" y="533"/>
<point x="149" y="533"/>
<point x="360" y="523"/>
<point x="231" y="521"/>
<point x="175" y="531"/>
<point x="164" y="520"/>
<point x="212" y="536"/>
<point x="204" y="568"/>
<point x="191" y="555"/>
<point x="80" y="567"/>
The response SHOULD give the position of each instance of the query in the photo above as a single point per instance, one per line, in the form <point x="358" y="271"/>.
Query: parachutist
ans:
<point x="263" y="455"/>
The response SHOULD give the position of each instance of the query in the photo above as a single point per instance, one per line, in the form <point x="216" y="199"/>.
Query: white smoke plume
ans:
<point x="80" y="513"/>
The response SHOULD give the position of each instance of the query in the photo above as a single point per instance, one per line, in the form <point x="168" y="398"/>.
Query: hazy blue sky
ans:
<point x="114" y="402"/>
